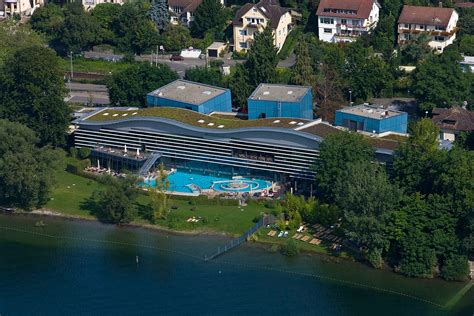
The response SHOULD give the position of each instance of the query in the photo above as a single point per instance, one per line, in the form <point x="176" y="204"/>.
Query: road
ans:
<point x="85" y="93"/>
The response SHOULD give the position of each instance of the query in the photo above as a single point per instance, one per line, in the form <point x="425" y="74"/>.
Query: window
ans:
<point x="422" y="27"/>
<point x="327" y="31"/>
<point x="243" y="45"/>
<point x="439" y="38"/>
<point x="243" y="32"/>
<point x="439" y="28"/>
<point x="343" y="21"/>
<point x="326" y="21"/>
<point x="357" y="22"/>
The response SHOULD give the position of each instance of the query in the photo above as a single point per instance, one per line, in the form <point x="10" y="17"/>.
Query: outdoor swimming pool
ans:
<point x="185" y="182"/>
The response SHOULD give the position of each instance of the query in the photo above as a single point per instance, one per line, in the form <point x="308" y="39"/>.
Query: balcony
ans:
<point x="10" y="1"/>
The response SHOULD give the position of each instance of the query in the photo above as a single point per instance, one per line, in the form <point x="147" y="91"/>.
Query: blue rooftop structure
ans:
<point x="372" y="119"/>
<point x="193" y="96"/>
<point x="273" y="100"/>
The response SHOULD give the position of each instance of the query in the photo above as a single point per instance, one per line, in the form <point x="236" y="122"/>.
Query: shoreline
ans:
<point x="263" y="244"/>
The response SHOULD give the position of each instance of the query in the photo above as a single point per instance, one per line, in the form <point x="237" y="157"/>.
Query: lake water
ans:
<point x="86" y="268"/>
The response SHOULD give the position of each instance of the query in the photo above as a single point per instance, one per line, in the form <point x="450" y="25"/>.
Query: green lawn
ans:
<point x="71" y="193"/>
<point x="92" y="65"/>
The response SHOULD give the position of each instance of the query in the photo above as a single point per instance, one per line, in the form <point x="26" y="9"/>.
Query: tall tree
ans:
<point x="209" y="15"/>
<point x="367" y="198"/>
<point x="105" y="14"/>
<point x="239" y="85"/>
<point x="329" y="97"/>
<point x="413" y="162"/>
<point x="336" y="152"/>
<point x="303" y="73"/>
<point x="440" y="82"/>
<point x="79" y="31"/>
<point x="159" y="14"/>
<point x="32" y="93"/>
<point x="15" y="36"/>
<point x="48" y="19"/>
<point x="262" y="58"/>
<point x="130" y="86"/>
<point x="26" y="171"/>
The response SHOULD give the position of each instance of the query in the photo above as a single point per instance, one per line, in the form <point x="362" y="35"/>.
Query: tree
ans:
<point x="262" y="58"/>
<point x="206" y="75"/>
<point x="466" y="45"/>
<point x="158" y="194"/>
<point x="440" y="82"/>
<point x="413" y="160"/>
<point x="302" y="73"/>
<point x="329" y="97"/>
<point x="47" y="19"/>
<point x="134" y="31"/>
<point x="26" y="171"/>
<point x="116" y="204"/>
<point x="32" y="93"/>
<point x="366" y="197"/>
<point x="79" y="31"/>
<point x="368" y="75"/>
<point x="15" y="36"/>
<point x="465" y="140"/>
<point x="209" y="15"/>
<point x="130" y="86"/>
<point x="239" y="85"/>
<point x="105" y="14"/>
<point x="417" y="49"/>
<point x="176" y="37"/>
<point x="336" y="152"/>
<point x="455" y="268"/>
<point x="159" y="14"/>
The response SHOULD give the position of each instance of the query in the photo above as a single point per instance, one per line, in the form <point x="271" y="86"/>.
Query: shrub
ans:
<point x="193" y="208"/>
<point x="290" y="248"/>
<point x="73" y="152"/>
<point x="84" y="153"/>
<point x="456" y="268"/>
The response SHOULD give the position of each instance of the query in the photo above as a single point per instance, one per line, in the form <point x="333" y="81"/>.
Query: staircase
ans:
<point x="148" y="164"/>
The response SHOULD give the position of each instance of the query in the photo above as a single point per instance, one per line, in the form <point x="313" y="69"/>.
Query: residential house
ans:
<point x="20" y="7"/>
<point x="252" y="18"/>
<point x="452" y="121"/>
<point x="90" y="4"/>
<point x="345" y="20"/>
<point x="438" y="23"/>
<point x="182" y="11"/>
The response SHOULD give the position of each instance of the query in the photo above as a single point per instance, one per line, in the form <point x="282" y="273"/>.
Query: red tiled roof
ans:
<point x="464" y="5"/>
<point x="455" y="118"/>
<point x="425" y="15"/>
<point x="361" y="7"/>
<point x="271" y="11"/>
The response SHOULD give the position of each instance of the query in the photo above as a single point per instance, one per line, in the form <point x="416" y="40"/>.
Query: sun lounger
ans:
<point x="315" y="241"/>
<point x="272" y="233"/>
<point x="295" y="236"/>
<point x="305" y="238"/>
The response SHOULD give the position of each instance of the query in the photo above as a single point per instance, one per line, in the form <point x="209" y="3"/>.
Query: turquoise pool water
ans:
<point x="184" y="182"/>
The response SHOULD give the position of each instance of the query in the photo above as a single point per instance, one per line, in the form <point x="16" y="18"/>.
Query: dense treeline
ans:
<point x="416" y="216"/>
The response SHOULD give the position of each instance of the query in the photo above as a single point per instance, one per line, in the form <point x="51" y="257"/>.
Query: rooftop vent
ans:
<point x="290" y="92"/>
<point x="300" y="123"/>
<point x="134" y="113"/>
<point x="181" y="87"/>
<point x="160" y="94"/>
<point x="266" y="92"/>
<point x="210" y="124"/>
<point x="276" y="121"/>
<point x="207" y="92"/>
<point x="201" y="121"/>
<point x="292" y="123"/>
<point x="115" y="114"/>
<point x="124" y="114"/>
<point x="105" y="114"/>
<point x="220" y="126"/>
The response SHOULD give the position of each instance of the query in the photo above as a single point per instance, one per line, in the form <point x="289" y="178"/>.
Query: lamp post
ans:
<point x="70" y="58"/>
<point x="350" y="97"/>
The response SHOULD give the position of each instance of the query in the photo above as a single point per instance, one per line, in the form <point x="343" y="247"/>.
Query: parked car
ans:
<point x="176" y="58"/>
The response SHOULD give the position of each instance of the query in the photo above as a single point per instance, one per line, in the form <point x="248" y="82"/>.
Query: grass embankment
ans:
<point x="72" y="193"/>
<point x="290" y="43"/>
